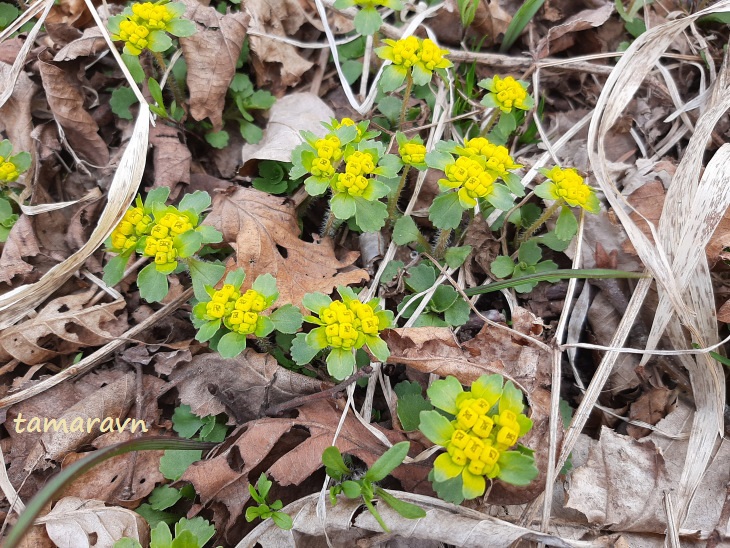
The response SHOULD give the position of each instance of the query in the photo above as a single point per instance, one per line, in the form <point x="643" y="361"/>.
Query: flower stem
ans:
<point x="540" y="221"/>
<point x="492" y="118"/>
<point x="179" y="99"/>
<point x="332" y="224"/>
<point x="441" y="243"/>
<point x="393" y="200"/>
<point x="406" y="98"/>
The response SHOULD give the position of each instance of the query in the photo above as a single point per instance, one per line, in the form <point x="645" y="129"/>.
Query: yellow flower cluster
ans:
<point x="360" y="163"/>
<point x="476" y="443"/>
<point x="135" y="35"/>
<point x="160" y="242"/>
<point x="8" y="171"/>
<point x="570" y="186"/>
<point x="353" y="181"/>
<point x="405" y="51"/>
<point x="241" y="312"/>
<point x="509" y="93"/>
<point x="470" y="178"/>
<point x="413" y="153"/>
<point x="151" y="16"/>
<point x="133" y="226"/>
<point x="329" y="148"/>
<point x="497" y="157"/>
<point x="343" y="323"/>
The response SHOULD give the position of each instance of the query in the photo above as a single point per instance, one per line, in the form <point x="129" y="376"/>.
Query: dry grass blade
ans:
<point x="682" y="275"/>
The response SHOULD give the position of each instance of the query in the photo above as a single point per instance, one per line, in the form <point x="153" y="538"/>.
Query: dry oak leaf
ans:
<point x="112" y="401"/>
<point x="62" y="327"/>
<point x="564" y="36"/>
<point x="211" y="55"/>
<point x="89" y="43"/>
<point x="66" y="100"/>
<point x="243" y="387"/>
<point x="276" y="63"/>
<point x="15" y="114"/>
<point x="79" y="523"/>
<point x="21" y="244"/>
<point x="264" y="232"/>
<point x="172" y="159"/>
<point x="224" y="478"/>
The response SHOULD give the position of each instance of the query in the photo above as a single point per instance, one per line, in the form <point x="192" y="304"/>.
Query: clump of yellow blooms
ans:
<point x="12" y="166"/>
<point x="8" y="171"/>
<point x="506" y="94"/>
<point x="496" y="157"/>
<point x="567" y="186"/>
<point x="469" y="176"/>
<point x="411" y="57"/>
<point x="413" y="153"/>
<point x="145" y="26"/>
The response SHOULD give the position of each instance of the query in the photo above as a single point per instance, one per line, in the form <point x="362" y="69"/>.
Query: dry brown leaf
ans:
<point x="66" y="100"/>
<point x="22" y="243"/>
<point x="61" y="327"/>
<point x="112" y="401"/>
<point x="276" y="63"/>
<point x="651" y="407"/>
<point x="90" y="43"/>
<point x="491" y="20"/>
<point x="70" y="12"/>
<point x="264" y="232"/>
<point x="211" y="56"/>
<point x="225" y="478"/>
<point x="562" y="37"/>
<point x="15" y="114"/>
<point x="79" y="523"/>
<point x="172" y="159"/>
<point x="291" y="114"/>
<point x="243" y="386"/>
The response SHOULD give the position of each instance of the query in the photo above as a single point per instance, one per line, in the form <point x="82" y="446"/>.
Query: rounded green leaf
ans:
<point x="188" y="243"/>
<point x="351" y="489"/>
<point x="488" y="387"/>
<point x="443" y="394"/>
<point x="444" y="468"/>
<point x="340" y="363"/>
<point x="446" y="211"/>
<point x="231" y="345"/>
<point x="159" y="42"/>
<point x="436" y="427"/>
<point x="378" y="347"/>
<point x="153" y="286"/>
<point x="530" y="252"/>
<point x="474" y="486"/>
<point x="208" y="330"/>
<point x="517" y="468"/>
<point x="421" y="75"/>
<point x="301" y="352"/>
<point x="405" y="231"/>
<point x="264" y="326"/>
<point x="368" y="21"/>
<point x="567" y="225"/>
<point x="393" y="77"/>
<point x="287" y="319"/>
<point x="316" y="301"/>
<point x="235" y="277"/>
<point x="317" y="338"/>
<point x="502" y="267"/>
<point x="266" y="285"/>
<point x="343" y="205"/>
<point x="511" y="399"/>
<point x="370" y="216"/>
<point x="181" y="28"/>
<point x="114" y="269"/>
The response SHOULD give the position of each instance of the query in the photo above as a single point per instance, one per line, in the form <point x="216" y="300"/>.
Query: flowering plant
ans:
<point x="368" y="20"/>
<point x="12" y="166"/>
<point x="487" y="421"/>
<point x="145" y="26"/>
<point x="506" y="94"/>
<point x="411" y="57"/>
<point x="227" y="317"/>
<point x="343" y="326"/>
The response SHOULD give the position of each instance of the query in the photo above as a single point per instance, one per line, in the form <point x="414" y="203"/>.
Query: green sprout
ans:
<point x="528" y="262"/>
<point x="264" y="510"/>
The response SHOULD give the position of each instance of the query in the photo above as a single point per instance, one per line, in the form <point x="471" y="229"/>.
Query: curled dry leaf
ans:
<point x="172" y="159"/>
<point x="79" y="523"/>
<point x="21" y="244"/>
<point x="291" y="114"/>
<point x="15" y="114"/>
<point x="211" y="55"/>
<point x="224" y="478"/>
<point x="243" y="386"/>
<point x="264" y="232"/>
<point x="90" y="43"/>
<point x="276" y="63"/>
<point x="563" y="36"/>
<point x="112" y="401"/>
<point x="63" y="326"/>
<point x="66" y="100"/>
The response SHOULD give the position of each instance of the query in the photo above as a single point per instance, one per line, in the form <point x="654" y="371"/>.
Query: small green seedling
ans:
<point x="8" y="218"/>
<point x="446" y="307"/>
<point x="528" y="262"/>
<point x="368" y="20"/>
<point x="365" y="486"/>
<point x="189" y="533"/>
<point x="264" y="510"/>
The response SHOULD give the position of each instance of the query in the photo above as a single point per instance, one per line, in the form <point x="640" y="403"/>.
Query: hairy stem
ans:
<point x="393" y="200"/>
<point x="540" y="221"/>
<point x="441" y="243"/>
<point x="490" y="123"/>
<point x="406" y="98"/>
<point x="160" y="60"/>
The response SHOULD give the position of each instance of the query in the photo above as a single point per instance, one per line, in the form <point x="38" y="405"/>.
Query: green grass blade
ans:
<point x="523" y="16"/>
<point x="553" y="276"/>
<point x="80" y="467"/>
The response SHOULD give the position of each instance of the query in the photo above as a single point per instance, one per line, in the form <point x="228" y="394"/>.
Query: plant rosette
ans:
<point x="146" y="26"/>
<point x="343" y="326"/>
<point x="411" y="56"/>
<point x="497" y="161"/>
<point x="368" y="20"/>
<point x="227" y="317"/>
<point x="12" y="166"/>
<point x="487" y="422"/>
<point x="506" y="94"/>
<point x="168" y="235"/>
<point x="412" y="152"/>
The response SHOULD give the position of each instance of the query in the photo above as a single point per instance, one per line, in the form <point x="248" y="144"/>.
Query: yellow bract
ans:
<point x="413" y="153"/>
<point x="569" y="186"/>
<point x="8" y="171"/>
<point x="509" y="93"/>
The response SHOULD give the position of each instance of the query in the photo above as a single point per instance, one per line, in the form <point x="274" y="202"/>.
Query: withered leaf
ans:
<point x="242" y="386"/>
<point x="22" y="243"/>
<point x="66" y="322"/>
<point x="79" y="523"/>
<point x="15" y="115"/>
<point x="172" y="159"/>
<point x="90" y="43"/>
<point x="211" y="56"/>
<point x="66" y="100"/>
<point x="264" y="232"/>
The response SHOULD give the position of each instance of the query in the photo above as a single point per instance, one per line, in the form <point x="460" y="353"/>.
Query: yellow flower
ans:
<point x="432" y="56"/>
<point x="354" y="185"/>
<point x="8" y="171"/>
<point x="251" y="301"/>
<point x="412" y="153"/>
<point x="359" y="163"/>
<point x="470" y="178"/>
<point x="329" y="148"/>
<point x="497" y="157"/>
<point x="322" y="167"/>
<point x="152" y="16"/>
<point x="506" y="94"/>
<point x="568" y="186"/>
<point x="404" y="52"/>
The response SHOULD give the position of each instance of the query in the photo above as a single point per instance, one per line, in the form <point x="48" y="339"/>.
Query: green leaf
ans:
<point x="203" y="273"/>
<point x="8" y="13"/>
<point x="370" y="216"/>
<point x="351" y="489"/>
<point x="429" y="319"/>
<point x="390" y="107"/>
<point x="209" y="234"/>
<point x="455" y="256"/>
<point x="368" y="21"/>
<point x="153" y="286"/>
<point x="282" y="520"/>
<point x="133" y="65"/>
<point x="156" y="93"/>
<point x="388" y="461"/>
<point x="420" y="277"/>
<point x="405" y="509"/>
<point x="446" y="211"/>
<point x="185" y="422"/>
<point x="530" y="253"/>
<point x="392" y="78"/>
<point x="567" y="225"/>
<point x="160" y="536"/>
<point x="213" y="430"/>
<point x="458" y="313"/>
<point x="520" y="20"/>
<point x="511" y="399"/>
<point x="126" y="542"/>
<point x="122" y="98"/>
<point x="196" y="202"/>
<point x="218" y="139"/>
<point x="410" y="404"/>
<point x="436" y="427"/>
<point x="488" y="387"/>
<point x="231" y="345"/>
<point x="266" y="285"/>
<point x="467" y="11"/>
<point x="287" y="319"/>
<point x="181" y="28"/>
<point x="155" y="517"/>
<point x="333" y="462"/>
<point x="188" y="243"/>
<point x="114" y="269"/>
<point x="502" y="267"/>
<point x="378" y="347"/>
<point x="405" y="231"/>
<point x="263" y="486"/>
<point x="174" y="462"/>
<point x="516" y="468"/>
<point x="301" y="352"/>
<point x="159" y="41"/>
<point x="343" y="205"/>
<point x="340" y="363"/>
<point x="439" y="159"/>
<point x="164" y="497"/>
<point x="261" y="100"/>
<point x="443" y="394"/>
<point x="443" y="298"/>
<point x="201" y="528"/>
<point x="316" y="301"/>
<point x="251" y="132"/>
<point x="450" y="490"/>
<point x="501" y="198"/>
